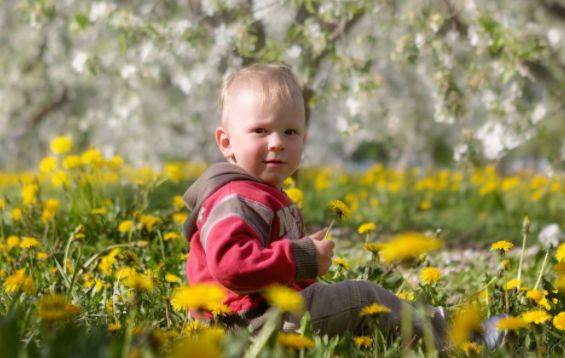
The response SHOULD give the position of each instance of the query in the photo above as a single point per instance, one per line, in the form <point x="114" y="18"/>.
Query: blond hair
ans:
<point x="274" y="83"/>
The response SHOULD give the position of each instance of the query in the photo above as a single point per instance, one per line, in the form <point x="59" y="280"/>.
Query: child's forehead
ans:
<point x="261" y="95"/>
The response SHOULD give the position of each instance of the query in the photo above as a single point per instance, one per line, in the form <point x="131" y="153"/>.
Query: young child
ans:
<point x="246" y="234"/>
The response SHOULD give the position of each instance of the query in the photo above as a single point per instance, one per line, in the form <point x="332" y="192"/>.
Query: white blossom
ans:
<point x="100" y="10"/>
<point x="79" y="61"/>
<point x="539" y="113"/>
<point x="293" y="52"/>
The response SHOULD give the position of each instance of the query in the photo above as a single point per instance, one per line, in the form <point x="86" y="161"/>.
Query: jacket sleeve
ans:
<point x="235" y="238"/>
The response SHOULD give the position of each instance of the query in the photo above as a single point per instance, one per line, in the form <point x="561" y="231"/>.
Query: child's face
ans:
<point x="265" y="140"/>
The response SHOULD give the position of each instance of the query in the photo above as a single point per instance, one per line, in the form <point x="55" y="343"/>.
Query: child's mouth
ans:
<point x="274" y="162"/>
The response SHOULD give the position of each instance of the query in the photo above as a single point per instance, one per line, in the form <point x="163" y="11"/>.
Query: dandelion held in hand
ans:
<point x="340" y="209"/>
<point x="341" y="212"/>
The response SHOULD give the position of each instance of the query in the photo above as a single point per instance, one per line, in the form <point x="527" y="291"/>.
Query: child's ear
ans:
<point x="223" y="142"/>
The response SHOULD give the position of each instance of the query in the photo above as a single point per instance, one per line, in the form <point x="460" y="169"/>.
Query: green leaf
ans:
<point x="82" y="20"/>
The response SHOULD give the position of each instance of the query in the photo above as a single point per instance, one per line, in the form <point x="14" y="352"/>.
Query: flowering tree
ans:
<point x="401" y="81"/>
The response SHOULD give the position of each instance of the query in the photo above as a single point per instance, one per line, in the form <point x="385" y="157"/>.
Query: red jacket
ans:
<point x="248" y="236"/>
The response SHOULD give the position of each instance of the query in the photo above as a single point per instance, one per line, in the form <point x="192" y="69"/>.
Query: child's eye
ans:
<point x="291" y="131"/>
<point x="259" y="130"/>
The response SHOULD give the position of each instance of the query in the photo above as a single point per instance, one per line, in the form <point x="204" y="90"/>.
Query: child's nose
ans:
<point x="275" y="142"/>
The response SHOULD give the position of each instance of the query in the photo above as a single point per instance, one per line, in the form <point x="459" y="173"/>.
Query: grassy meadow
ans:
<point x="92" y="259"/>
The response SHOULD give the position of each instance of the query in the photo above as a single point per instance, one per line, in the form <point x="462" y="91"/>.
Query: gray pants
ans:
<point x="335" y="308"/>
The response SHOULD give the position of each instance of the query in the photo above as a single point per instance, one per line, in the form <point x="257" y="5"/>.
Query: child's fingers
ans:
<point x="319" y="235"/>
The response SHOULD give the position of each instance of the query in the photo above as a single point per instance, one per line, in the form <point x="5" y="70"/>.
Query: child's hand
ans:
<point x="324" y="251"/>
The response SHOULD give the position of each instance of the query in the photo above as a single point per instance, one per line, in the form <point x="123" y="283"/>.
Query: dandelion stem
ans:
<point x="329" y="229"/>
<point x="525" y="227"/>
<point x="542" y="268"/>
<point x="161" y="245"/>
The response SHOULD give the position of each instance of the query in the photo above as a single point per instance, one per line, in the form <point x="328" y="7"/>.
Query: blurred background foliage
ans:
<point x="428" y="83"/>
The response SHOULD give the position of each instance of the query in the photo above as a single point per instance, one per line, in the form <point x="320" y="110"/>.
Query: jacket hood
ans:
<point x="207" y="184"/>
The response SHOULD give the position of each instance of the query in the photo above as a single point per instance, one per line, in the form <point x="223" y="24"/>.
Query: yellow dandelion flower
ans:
<point x="373" y="247"/>
<point x="174" y="171"/>
<point x="178" y="203"/>
<point x="511" y="322"/>
<point x="197" y="296"/>
<point x="48" y="164"/>
<point x="2" y="204"/>
<point x="12" y="241"/>
<point x="429" y="275"/>
<point x="285" y="298"/>
<point x="363" y="341"/>
<point x="373" y="310"/>
<point x="52" y="205"/>
<point x="559" y="321"/>
<point x="466" y="321"/>
<point x="169" y="277"/>
<point x="29" y="194"/>
<point x="536" y="316"/>
<point x="106" y="263"/>
<point x="340" y="209"/>
<point x="92" y="157"/>
<point x="171" y="236"/>
<point x="366" y="228"/>
<point x="193" y="328"/>
<point x="149" y="221"/>
<point x="406" y="295"/>
<point x="19" y="280"/>
<point x="294" y="341"/>
<point x="114" y="327"/>
<point x="512" y="284"/>
<point x="28" y="242"/>
<point x="180" y="218"/>
<point x="341" y="262"/>
<point x="409" y="245"/>
<point x="289" y="183"/>
<point x="139" y="282"/>
<point x="425" y="204"/>
<point x="60" y="178"/>
<point x="42" y="256"/>
<point x="61" y="145"/>
<point x="205" y="344"/>
<point x="125" y="226"/>
<point x="16" y="214"/>
<point x="295" y="195"/>
<point x="219" y="309"/>
<point x="71" y="162"/>
<point x="501" y="246"/>
<point x="560" y="254"/>
<point x="559" y="283"/>
<point x="55" y="307"/>
<point x="535" y="295"/>
<point x="115" y="163"/>
<point x="471" y="348"/>
<point x="559" y="267"/>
